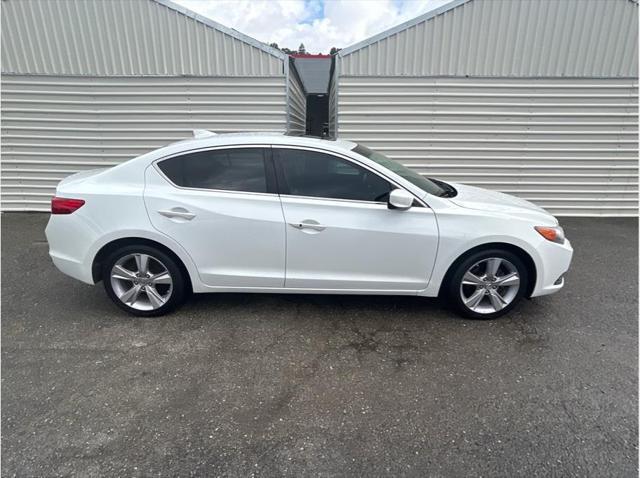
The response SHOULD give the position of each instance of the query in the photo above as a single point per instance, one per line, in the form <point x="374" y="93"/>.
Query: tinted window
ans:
<point x="307" y="173"/>
<point x="410" y="175"/>
<point x="228" y="169"/>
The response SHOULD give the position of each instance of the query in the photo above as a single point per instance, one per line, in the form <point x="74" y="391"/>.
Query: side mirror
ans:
<point x="400" y="199"/>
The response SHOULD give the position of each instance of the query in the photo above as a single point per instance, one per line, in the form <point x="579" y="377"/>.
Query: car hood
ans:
<point x="471" y="197"/>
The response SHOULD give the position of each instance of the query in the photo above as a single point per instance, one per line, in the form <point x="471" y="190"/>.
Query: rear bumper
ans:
<point x="556" y="260"/>
<point x="69" y="238"/>
<point x="70" y="267"/>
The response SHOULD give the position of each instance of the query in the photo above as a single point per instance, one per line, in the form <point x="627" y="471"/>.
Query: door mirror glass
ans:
<point x="400" y="199"/>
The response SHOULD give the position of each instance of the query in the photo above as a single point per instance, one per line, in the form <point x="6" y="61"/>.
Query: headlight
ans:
<point x="553" y="234"/>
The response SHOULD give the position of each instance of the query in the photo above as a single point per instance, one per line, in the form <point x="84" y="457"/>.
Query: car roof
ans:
<point x="205" y="139"/>
<point x="249" y="138"/>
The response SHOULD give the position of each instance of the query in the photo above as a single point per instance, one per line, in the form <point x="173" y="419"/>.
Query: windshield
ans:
<point x="426" y="184"/>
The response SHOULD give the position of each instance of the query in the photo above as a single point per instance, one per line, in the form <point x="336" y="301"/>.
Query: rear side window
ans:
<point x="308" y="173"/>
<point x="237" y="169"/>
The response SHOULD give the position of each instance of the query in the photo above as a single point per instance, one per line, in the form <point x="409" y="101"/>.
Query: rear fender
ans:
<point x="166" y="241"/>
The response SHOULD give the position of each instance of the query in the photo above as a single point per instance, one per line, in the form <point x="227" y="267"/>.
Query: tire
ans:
<point x="144" y="287"/>
<point x="493" y="293"/>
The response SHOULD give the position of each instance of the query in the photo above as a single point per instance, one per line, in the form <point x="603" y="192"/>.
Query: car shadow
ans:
<point x="335" y="305"/>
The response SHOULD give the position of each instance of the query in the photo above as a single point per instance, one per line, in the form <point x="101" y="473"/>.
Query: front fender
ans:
<point x="460" y="232"/>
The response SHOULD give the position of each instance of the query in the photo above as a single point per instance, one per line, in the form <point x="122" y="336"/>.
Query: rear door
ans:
<point x="341" y="235"/>
<point x="221" y="206"/>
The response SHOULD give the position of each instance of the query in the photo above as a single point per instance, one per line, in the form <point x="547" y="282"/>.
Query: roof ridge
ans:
<point x="224" y="29"/>
<point x="403" y="26"/>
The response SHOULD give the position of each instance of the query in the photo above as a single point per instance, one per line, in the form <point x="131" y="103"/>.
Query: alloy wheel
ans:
<point x="141" y="281"/>
<point x="490" y="285"/>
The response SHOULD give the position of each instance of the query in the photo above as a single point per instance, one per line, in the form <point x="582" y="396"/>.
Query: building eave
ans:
<point x="220" y="27"/>
<point x="403" y="26"/>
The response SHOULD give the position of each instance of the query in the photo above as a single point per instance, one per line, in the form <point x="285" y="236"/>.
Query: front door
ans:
<point x="221" y="206"/>
<point x="340" y="233"/>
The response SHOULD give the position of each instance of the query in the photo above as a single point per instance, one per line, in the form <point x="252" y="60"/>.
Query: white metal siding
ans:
<point x="54" y="126"/>
<point x="333" y="103"/>
<point x="125" y="37"/>
<point x="569" y="145"/>
<point x="530" y="38"/>
<point x="297" y="104"/>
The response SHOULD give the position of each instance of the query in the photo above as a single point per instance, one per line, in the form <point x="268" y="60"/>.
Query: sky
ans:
<point x="319" y="24"/>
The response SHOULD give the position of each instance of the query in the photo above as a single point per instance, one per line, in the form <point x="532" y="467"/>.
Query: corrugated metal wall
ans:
<point x="526" y="38"/>
<point x="91" y="83"/>
<point x="538" y="98"/>
<point x="124" y="37"/>
<point x="333" y="101"/>
<point x="54" y="126"/>
<point x="297" y="103"/>
<point x="569" y="145"/>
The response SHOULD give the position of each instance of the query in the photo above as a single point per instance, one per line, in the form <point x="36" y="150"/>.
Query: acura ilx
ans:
<point x="260" y="212"/>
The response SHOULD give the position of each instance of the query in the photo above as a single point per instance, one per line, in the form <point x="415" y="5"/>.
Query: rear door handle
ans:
<point x="177" y="212"/>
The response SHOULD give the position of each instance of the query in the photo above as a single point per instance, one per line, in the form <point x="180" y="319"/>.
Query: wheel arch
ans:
<point x="109" y="247"/>
<point x="521" y="253"/>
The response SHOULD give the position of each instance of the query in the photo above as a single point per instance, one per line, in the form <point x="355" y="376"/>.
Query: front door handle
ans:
<point x="308" y="224"/>
<point x="177" y="212"/>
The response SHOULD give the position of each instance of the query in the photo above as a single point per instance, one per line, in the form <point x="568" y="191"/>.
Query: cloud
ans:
<point x="318" y="24"/>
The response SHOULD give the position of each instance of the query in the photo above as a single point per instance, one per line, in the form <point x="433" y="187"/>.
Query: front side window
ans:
<point x="410" y="175"/>
<point x="309" y="173"/>
<point x="236" y="169"/>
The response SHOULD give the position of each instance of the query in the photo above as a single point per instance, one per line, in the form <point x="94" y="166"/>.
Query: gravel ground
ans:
<point x="276" y="385"/>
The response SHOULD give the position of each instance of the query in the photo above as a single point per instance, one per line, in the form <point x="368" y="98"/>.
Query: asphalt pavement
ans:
<point x="302" y="385"/>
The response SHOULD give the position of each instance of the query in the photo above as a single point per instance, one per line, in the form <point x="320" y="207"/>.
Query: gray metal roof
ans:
<point x="403" y="26"/>
<point x="314" y="73"/>
<point x="524" y="38"/>
<point x="126" y="38"/>
<point x="219" y="26"/>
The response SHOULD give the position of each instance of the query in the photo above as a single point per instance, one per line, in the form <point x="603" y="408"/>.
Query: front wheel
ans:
<point x="487" y="284"/>
<point x="143" y="281"/>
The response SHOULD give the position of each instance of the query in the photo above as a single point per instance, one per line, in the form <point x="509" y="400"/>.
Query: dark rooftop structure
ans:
<point x="314" y="72"/>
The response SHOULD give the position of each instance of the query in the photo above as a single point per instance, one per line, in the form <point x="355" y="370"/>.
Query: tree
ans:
<point x="301" y="49"/>
<point x="286" y="50"/>
<point x="334" y="50"/>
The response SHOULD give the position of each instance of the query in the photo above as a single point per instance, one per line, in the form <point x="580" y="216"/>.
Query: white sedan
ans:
<point x="280" y="214"/>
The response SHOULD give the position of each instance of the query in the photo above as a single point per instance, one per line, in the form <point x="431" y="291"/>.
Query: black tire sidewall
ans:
<point x="453" y="287"/>
<point x="179" y="287"/>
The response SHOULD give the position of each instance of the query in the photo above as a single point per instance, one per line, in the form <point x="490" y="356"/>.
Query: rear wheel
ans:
<point x="143" y="281"/>
<point x="487" y="284"/>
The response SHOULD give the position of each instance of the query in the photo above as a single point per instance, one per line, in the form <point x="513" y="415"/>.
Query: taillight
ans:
<point x="65" y="205"/>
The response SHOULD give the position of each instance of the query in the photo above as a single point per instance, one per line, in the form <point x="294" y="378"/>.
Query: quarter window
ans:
<point x="308" y="173"/>
<point x="237" y="169"/>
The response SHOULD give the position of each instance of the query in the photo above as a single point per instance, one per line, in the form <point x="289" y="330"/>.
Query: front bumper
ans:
<point x="556" y="259"/>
